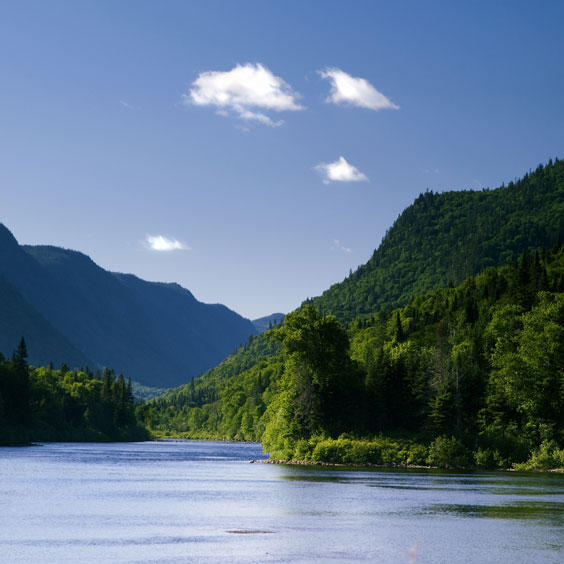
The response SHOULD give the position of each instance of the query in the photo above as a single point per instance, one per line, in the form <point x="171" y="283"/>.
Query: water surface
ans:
<point x="198" y="502"/>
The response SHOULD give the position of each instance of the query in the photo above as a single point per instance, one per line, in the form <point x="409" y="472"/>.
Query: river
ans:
<point x="202" y="502"/>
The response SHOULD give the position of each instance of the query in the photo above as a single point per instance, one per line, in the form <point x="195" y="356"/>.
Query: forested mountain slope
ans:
<point x="439" y="240"/>
<point x="157" y="334"/>
<point x="199" y="398"/>
<point x="460" y="376"/>
<point x="18" y="317"/>
<point x="24" y="283"/>
<point x="465" y="367"/>
<point x="444" y="238"/>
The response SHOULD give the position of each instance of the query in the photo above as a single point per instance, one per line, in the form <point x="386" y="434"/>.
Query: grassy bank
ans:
<point x="443" y="452"/>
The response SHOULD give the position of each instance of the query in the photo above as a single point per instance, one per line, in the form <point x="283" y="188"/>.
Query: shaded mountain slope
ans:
<point x="45" y="343"/>
<point x="157" y="334"/>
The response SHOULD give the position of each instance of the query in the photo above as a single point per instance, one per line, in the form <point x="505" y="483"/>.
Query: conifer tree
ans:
<point x="20" y="393"/>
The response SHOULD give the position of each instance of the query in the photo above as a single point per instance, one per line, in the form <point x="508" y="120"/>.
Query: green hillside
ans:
<point x="192" y="409"/>
<point x="439" y="240"/>
<point x="444" y="238"/>
<point x="434" y="375"/>
<point x="471" y="375"/>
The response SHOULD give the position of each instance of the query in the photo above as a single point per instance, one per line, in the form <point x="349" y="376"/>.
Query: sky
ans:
<point x="256" y="152"/>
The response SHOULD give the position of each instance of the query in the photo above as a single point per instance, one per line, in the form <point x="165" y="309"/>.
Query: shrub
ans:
<point x="417" y="454"/>
<point x="302" y="450"/>
<point x="547" y="457"/>
<point x="448" y="453"/>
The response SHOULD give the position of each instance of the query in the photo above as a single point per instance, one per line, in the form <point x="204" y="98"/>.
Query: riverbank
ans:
<point x="212" y="440"/>
<point x="443" y="452"/>
<point x="387" y="452"/>
<point x="28" y="436"/>
<point x="397" y="466"/>
<point x="340" y="465"/>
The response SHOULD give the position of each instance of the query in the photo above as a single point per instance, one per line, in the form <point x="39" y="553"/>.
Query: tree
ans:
<point x="537" y="388"/>
<point x="20" y="390"/>
<point x="321" y="386"/>
<point x="20" y="354"/>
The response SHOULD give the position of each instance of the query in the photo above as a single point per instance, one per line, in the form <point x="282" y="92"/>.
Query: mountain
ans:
<point x="262" y="324"/>
<point x="158" y="334"/>
<point x="22" y="283"/>
<point x="442" y="239"/>
<point x="462" y="376"/>
<point x="432" y="245"/>
<point x="438" y="241"/>
<point x="18" y="317"/>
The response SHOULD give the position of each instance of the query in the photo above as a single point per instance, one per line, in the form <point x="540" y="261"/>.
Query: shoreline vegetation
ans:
<point x="463" y="377"/>
<point x="385" y="452"/>
<point x="345" y="452"/>
<point x="540" y="462"/>
<point x="397" y="466"/>
<point x="43" y="404"/>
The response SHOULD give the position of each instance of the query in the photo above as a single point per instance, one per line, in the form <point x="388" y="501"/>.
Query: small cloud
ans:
<point x="338" y="247"/>
<point x="243" y="127"/>
<point x="243" y="90"/>
<point x="432" y="171"/>
<point x="160" y="243"/>
<point x="347" y="90"/>
<point x="340" y="171"/>
<point x="261" y="118"/>
<point x="124" y="104"/>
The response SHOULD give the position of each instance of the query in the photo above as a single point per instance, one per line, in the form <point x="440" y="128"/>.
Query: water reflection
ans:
<point x="203" y="503"/>
<point x="552" y="512"/>
<point x="429" y="493"/>
<point x="496" y="483"/>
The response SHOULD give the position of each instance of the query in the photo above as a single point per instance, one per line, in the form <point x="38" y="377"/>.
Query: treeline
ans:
<point x="446" y="237"/>
<point x="474" y="374"/>
<point x="228" y="401"/>
<point x="45" y="404"/>
<point x="462" y="376"/>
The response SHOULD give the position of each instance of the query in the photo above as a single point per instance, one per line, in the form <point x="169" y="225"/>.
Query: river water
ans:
<point x="199" y="502"/>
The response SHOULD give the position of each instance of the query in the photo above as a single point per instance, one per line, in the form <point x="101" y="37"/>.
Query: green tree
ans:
<point x="320" y="384"/>
<point x="20" y="385"/>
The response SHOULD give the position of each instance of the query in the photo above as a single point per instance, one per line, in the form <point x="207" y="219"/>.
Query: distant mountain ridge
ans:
<point x="262" y="324"/>
<point x="70" y="309"/>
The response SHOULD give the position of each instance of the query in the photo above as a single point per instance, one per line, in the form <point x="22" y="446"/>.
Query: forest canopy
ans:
<point x="462" y="376"/>
<point x="48" y="404"/>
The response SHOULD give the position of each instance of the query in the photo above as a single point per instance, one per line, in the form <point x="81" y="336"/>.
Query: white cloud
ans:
<point x="261" y="118"/>
<point x="350" y="91"/>
<point x="340" y="171"/>
<point x="128" y="106"/>
<point x="160" y="243"/>
<point x="244" y="89"/>
<point x="432" y="171"/>
<point x="337" y="246"/>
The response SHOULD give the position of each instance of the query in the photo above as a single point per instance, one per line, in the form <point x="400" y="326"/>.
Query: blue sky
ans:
<point x="124" y="120"/>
